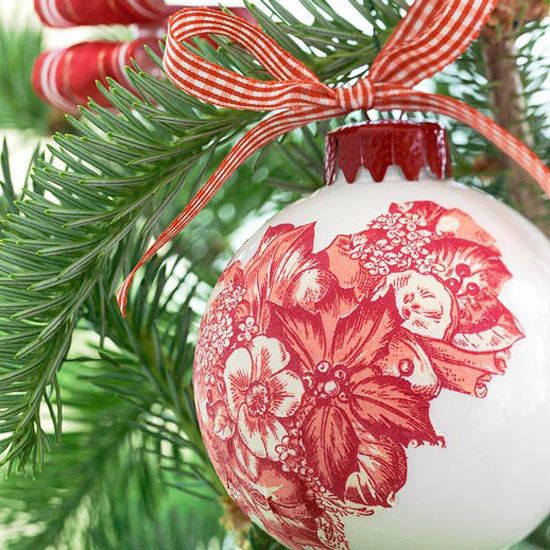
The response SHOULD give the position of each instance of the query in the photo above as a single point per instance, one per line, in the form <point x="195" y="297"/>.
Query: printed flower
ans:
<point x="446" y="222"/>
<point x="350" y="397"/>
<point x="281" y="504"/>
<point x="217" y="328"/>
<point x="221" y="337"/>
<point x="229" y="291"/>
<point x="262" y="391"/>
<point x="405" y="230"/>
<point x="346" y="257"/>
<point x="428" y="264"/>
<point x="393" y="243"/>
<point x="248" y="329"/>
<point x="382" y="264"/>
<point x="381" y="472"/>
<point x="464" y="371"/>
<point x="424" y="304"/>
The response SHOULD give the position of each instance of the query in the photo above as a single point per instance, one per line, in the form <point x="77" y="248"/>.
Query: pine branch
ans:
<point x="333" y="48"/>
<point x="136" y="424"/>
<point x="78" y="470"/>
<point x="6" y="183"/>
<point x="56" y="250"/>
<point x="158" y="335"/>
<point x="102" y="488"/>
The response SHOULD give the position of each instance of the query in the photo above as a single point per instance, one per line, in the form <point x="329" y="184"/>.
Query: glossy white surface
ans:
<point x="490" y="486"/>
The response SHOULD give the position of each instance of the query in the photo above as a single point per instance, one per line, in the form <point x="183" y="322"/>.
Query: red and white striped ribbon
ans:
<point x="72" y="13"/>
<point x="69" y="13"/>
<point x="432" y="35"/>
<point x="67" y="77"/>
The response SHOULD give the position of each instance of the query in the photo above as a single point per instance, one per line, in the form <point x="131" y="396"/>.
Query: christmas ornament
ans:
<point x="67" y="77"/>
<point x="371" y="371"/>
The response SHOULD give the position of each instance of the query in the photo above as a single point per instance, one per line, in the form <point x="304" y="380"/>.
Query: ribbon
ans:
<point x="68" y="77"/>
<point x="431" y="35"/>
<point x="70" y="13"/>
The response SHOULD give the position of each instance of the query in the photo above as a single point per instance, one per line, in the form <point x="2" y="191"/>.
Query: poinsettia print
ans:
<point x="315" y="370"/>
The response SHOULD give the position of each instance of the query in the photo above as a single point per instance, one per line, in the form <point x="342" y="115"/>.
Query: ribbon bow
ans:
<point x="432" y="35"/>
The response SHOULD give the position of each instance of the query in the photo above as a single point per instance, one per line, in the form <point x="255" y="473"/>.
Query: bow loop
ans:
<point x="432" y="34"/>
<point x="295" y="85"/>
<point x="430" y="37"/>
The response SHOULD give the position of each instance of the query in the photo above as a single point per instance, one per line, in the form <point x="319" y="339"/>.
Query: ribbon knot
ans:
<point x="358" y="96"/>
<point x="432" y="35"/>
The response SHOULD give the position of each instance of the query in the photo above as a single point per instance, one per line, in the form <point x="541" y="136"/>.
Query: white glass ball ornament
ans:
<point x="372" y="371"/>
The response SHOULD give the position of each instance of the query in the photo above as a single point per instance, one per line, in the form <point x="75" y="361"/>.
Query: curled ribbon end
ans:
<point x="122" y="294"/>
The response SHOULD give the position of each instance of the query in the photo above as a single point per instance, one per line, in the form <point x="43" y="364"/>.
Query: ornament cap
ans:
<point x="378" y="145"/>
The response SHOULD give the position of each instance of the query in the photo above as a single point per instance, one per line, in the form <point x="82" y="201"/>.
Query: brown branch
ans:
<point x="510" y="111"/>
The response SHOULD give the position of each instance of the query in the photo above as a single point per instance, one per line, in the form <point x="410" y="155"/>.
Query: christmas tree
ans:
<point x="98" y="429"/>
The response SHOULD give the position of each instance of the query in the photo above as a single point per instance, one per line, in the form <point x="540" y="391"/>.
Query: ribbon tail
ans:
<point x="411" y="100"/>
<point x="267" y="131"/>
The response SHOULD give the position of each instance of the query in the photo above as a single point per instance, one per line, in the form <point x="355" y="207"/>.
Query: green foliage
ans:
<point x="130" y="469"/>
<point x="19" y="107"/>
<point x="132" y="461"/>
<point x="69" y="497"/>
<point x="57" y="250"/>
<point x="102" y="486"/>
<point x="539" y="539"/>
<point x="102" y="183"/>
<point x="333" y="49"/>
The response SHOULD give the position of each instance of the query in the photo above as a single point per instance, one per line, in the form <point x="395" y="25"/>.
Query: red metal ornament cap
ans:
<point x="376" y="146"/>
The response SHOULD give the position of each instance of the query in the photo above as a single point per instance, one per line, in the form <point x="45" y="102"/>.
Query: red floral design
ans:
<point x="315" y="371"/>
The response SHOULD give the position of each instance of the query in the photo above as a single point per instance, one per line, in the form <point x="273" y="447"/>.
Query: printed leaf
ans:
<point x="386" y="405"/>
<point x="331" y="446"/>
<point x="382" y="472"/>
